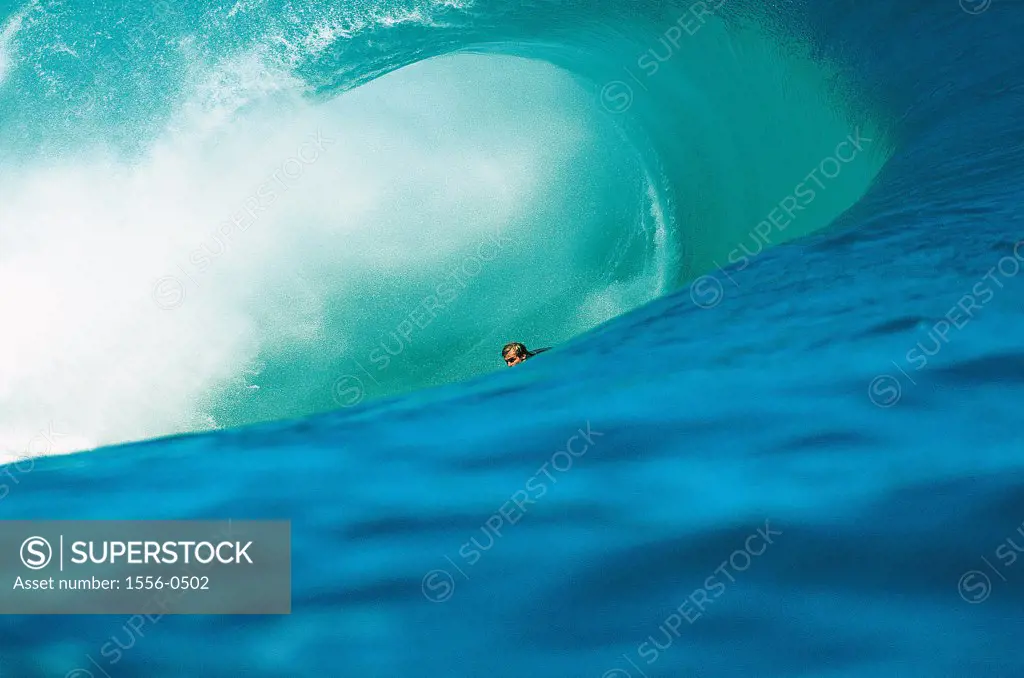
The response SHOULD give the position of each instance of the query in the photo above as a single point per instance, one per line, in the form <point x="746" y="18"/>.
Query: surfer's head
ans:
<point x="515" y="353"/>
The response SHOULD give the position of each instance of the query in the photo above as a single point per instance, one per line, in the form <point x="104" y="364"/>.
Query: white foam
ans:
<point x="7" y="34"/>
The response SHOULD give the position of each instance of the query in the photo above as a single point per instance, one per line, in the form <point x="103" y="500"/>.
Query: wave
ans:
<point x="256" y="212"/>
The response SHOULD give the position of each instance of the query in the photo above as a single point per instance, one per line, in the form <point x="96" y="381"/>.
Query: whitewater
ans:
<point x="258" y="260"/>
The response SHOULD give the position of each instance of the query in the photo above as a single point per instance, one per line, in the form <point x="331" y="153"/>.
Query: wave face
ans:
<point x="216" y="215"/>
<point x="805" y="463"/>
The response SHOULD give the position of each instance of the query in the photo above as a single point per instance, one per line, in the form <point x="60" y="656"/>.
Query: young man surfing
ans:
<point x="515" y="353"/>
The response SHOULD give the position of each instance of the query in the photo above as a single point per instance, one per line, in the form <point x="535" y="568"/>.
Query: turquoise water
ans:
<point x="777" y="250"/>
<point x="231" y="219"/>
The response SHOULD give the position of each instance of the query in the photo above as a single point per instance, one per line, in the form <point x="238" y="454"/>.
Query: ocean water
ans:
<point x="258" y="260"/>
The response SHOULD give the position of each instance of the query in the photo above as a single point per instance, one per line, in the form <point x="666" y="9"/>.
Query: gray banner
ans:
<point x="145" y="567"/>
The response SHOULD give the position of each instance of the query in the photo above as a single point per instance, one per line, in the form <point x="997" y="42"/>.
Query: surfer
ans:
<point x="515" y="353"/>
